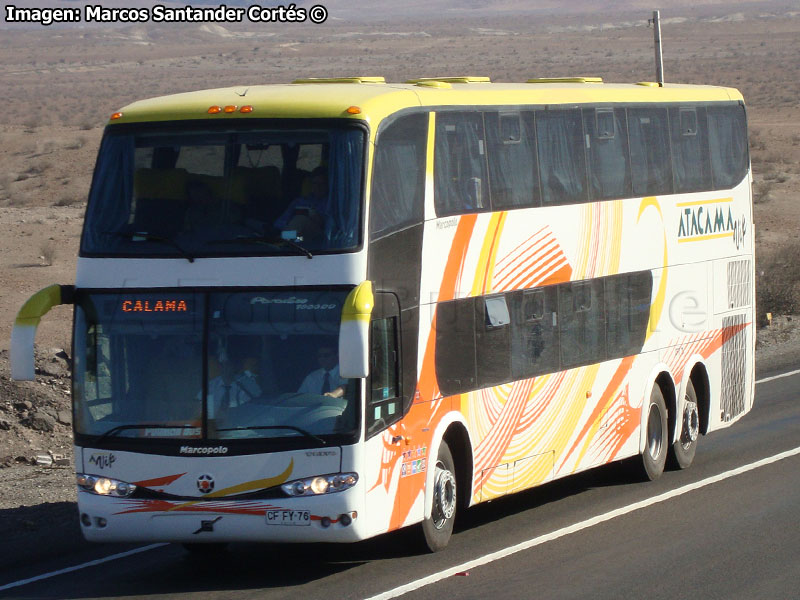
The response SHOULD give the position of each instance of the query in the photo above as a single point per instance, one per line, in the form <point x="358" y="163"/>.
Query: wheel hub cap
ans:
<point x="691" y="423"/>
<point x="444" y="501"/>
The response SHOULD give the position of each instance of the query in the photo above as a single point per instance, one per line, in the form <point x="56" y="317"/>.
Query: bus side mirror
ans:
<point x="354" y="332"/>
<point x="24" y="332"/>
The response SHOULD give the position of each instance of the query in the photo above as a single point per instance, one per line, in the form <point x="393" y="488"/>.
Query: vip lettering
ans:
<point x="102" y="461"/>
<point x="739" y="232"/>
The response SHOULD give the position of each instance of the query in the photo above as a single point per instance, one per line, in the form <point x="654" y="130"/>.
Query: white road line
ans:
<point x="488" y="558"/>
<point x="790" y="373"/>
<point x="91" y="563"/>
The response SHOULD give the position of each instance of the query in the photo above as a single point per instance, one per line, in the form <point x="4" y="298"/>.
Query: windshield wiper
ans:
<point x="269" y="241"/>
<point x="303" y="432"/>
<point x="115" y="430"/>
<point x="152" y="237"/>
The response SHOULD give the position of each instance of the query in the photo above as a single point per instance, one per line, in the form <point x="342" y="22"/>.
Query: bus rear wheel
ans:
<point x="684" y="448"/>
<point x="654" y="456"/>
<point x="439" y="526"/>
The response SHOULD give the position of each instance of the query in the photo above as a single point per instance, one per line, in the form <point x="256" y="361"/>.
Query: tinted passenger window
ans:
<point x="582" y="323"/>
<point x="461" y="184"/>
<point x="562" y="164"/>
<point x="651" y="165"/>
<point x="690" y="161"/>
<point x="455" y="346"/>
<point x="627" y="312"/>
<point x="727" y="132"/>
<point x="535" y="337"/>
<point x="493" y="341"/>
<point x="607" y="142"/>
<point x="513" y="169"/>
<point x="398" y="178"/>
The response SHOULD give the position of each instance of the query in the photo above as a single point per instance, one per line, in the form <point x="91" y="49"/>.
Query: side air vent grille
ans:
<point x="734" y="367"/>
<point x="739" y="284"/>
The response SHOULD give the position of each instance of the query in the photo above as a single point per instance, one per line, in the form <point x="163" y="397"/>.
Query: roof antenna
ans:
<point x="656" y="23"/>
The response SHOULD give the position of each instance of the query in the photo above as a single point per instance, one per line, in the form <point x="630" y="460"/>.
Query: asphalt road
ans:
<point x="709" y="531"/>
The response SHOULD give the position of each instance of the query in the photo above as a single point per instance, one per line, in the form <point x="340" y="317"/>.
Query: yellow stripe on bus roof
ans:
<point x="378" y="101"/>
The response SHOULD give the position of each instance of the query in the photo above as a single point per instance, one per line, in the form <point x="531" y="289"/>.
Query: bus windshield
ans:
<point x="167" y="192"/>
<point x="217" y="365"/>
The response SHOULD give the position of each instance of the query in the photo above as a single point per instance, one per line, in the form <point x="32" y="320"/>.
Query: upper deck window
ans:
<point x="460" y="159"/>
<point x="398" y="175"/>
<point x="690" y="155"/>
<point x="559" y="136"/>
<point x="651" y="162"/>
<point x="513" y="170"/>
<point x="169" y="192"/>
<point x="728" y="141"/>
<point x="607" y="153"/>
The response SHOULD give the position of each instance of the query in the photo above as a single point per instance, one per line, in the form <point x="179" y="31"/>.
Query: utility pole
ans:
<point x="656" y="23"/>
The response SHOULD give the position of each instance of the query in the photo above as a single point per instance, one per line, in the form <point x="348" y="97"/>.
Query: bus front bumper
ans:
<point x="330" y="518"/>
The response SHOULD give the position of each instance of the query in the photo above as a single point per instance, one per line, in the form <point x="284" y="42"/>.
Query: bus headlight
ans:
<point x="322" y="484"/>
<point x="105" y="486"/>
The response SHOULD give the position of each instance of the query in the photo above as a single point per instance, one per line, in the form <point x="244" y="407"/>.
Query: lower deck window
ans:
<point x="492" y="340"/>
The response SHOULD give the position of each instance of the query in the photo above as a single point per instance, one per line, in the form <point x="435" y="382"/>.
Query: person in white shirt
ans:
<point x="325" y="380"/>
<point x="236" y="384"/>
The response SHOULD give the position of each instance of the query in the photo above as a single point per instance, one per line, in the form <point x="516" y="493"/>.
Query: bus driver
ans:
<point x="325" y="380"/>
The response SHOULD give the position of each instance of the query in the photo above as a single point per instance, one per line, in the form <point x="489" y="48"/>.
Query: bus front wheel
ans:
<point x="656" y="433"/>
<point x="439" y="526"/>
<point x="684" y="448"/>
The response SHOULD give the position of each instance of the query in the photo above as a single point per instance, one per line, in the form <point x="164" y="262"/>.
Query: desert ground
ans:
<point x="58" y="85"/>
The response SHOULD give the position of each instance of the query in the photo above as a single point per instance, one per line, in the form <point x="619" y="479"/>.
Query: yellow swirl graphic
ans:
<point x="658" y="303"/>
<point x="249" y="486"/>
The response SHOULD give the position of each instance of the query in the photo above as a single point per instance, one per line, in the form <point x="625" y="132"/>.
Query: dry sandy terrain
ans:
<point x="58" y="86"/>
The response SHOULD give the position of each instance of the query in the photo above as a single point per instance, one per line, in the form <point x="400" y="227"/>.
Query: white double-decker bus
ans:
<point x="327" y="310"/>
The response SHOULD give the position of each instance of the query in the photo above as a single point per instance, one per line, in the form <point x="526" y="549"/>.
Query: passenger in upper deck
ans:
<point x="309" y="215"/>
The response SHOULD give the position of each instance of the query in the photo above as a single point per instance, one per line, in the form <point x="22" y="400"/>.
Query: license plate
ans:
<point x="288" y="517"/>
